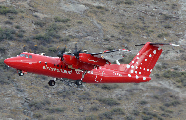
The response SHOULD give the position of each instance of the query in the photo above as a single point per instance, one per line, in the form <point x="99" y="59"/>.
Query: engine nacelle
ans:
<point x="69" y="59"/>
<point x="88" y="58"/>
<point x="76" y="63"/>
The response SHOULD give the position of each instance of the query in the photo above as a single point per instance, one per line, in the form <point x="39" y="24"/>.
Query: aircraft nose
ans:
<point x="9" y="61"/>
<point x="6" y="61"/>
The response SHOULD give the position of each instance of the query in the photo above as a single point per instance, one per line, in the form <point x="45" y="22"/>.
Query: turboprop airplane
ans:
<point x="91" y="67"/>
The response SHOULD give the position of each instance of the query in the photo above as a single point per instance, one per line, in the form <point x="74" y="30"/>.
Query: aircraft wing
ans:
<point x="114" y="55"/>
<point x="111" y="55"/>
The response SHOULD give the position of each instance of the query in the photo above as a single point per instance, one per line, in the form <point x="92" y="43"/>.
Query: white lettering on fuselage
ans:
<point x="92" y="60"/>
<point x="59" y="70"/>
<point x="77" y="72"/>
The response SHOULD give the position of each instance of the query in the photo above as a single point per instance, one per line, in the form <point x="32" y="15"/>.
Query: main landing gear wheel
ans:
<point x="78" y="82"/>
<point x="51" y="83"/>
<point x="20" y="73"/>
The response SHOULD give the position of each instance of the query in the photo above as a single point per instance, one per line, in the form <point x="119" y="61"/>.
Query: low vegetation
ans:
<point x="135" y="112"/>
<point x="91" y="117"/>
<point x="108" y="101"/>
<point x="94" y="108"/>
<point x="56" y="109"/>
<point x="129" y="2"/>
<point x="65" y="94"/>
<point x="2" y="64"/>
<point x="177" y="76"/>
<point x="36" y="105"/>
<point x="7" y="34"/>
<point x="117" y="111"/>
<point x="110" y="114"/>
<point x="109" y="86"/>
<point x="37" y="115"/>
<point x="43" y="37"/>
<point x="105" y="115"/>
<point x="39" y="23"/>
<point x="163" y="35"/>
<point x="173" y="103"/>
<point x="85" y="96"/>
<point x="58" y="19"/>
<point x="143" y="102"/>
<point x="5" y="10"/>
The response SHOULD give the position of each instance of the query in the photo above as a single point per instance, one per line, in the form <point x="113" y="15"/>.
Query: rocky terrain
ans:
<point x="45" y="26"/>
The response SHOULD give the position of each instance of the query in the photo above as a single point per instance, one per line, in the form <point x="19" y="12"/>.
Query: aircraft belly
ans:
<point x="115" y="79"/>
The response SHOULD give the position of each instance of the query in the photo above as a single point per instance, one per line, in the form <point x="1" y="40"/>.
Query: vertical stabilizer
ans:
<point x="145" y="60"/>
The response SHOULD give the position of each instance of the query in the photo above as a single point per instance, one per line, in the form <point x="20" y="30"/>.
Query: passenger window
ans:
<point x="26" y="56"/>
<point x="30" y="56"/>
<point x="22" y="55"/>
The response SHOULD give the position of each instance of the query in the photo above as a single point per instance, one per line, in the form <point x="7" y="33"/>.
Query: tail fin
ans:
<point x="145" y="60"/>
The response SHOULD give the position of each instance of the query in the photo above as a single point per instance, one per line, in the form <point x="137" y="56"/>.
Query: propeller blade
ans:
<point x="76" y="53"/>
<point x="60" y="54"/>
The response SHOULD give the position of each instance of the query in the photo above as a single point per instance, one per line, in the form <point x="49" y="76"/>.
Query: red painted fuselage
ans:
<point x="97" y="70"/>
<point x="54" y="67"/>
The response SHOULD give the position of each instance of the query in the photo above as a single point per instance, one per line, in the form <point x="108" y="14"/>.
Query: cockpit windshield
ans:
<point x="22" y="55"/>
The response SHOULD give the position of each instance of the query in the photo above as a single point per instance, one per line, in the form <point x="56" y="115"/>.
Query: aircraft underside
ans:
<point x="101" y="75"/>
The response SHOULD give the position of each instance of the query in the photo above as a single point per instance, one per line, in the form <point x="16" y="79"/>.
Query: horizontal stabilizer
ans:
<point x="159" y="44"/>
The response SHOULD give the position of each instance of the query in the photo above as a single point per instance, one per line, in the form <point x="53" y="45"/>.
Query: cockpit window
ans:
<point x="26" y="56"/>
<point x="30" y="56"/>
<point x="22" y="55"/>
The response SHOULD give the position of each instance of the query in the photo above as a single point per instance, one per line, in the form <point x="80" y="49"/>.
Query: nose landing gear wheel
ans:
<point x="78" y="82"/>
<point x="21" y="74"/>
<point x="51" y="83"/>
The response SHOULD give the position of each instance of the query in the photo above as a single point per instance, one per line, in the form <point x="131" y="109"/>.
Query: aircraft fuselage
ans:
<point x="54" y="67"/>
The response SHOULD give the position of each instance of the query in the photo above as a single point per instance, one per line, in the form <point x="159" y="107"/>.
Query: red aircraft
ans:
<point x="91" y="67"/>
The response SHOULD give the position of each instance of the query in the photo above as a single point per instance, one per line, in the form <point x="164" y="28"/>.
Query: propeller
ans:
<point x="76" y="52"/>
<point x="60" y="54"/>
